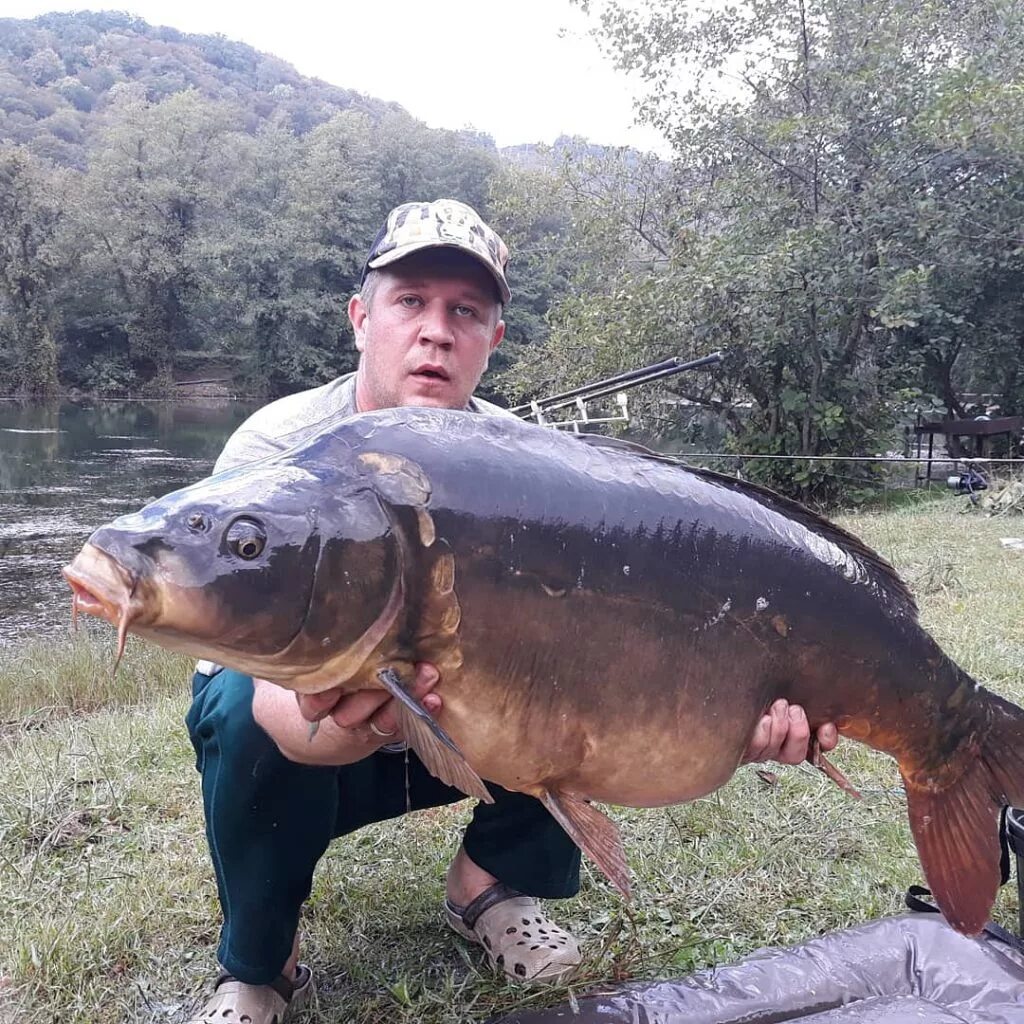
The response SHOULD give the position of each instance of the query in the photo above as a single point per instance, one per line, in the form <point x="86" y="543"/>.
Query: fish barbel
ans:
<point x="609" y="626"/>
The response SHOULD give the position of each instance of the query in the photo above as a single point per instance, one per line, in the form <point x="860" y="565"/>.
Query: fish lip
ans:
<point x="102" y="597"/>
<point x="431" y="368"/>
<point x="102" y="586"/>
<point x="85" y="598"/>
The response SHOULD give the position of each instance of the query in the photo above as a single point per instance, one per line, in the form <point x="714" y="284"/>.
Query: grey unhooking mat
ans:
<point x="900" y="970"/>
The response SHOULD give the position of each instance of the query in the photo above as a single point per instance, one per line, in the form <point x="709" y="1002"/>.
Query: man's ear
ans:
<point x="499" y="333"/>
<point x="357" y="314"/>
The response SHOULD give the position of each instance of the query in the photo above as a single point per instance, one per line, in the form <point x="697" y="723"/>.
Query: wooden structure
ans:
<point x="958" y="435"/>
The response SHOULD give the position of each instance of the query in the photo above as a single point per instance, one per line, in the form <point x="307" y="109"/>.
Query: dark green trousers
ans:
<point x="269" y="821"/>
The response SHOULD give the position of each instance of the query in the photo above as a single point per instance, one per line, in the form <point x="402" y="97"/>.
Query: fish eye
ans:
<point x="246" y="538"/>
<point x="197" y="522"/>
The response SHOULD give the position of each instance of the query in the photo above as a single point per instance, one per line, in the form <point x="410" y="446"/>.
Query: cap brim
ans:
<point x="394" y="255"/>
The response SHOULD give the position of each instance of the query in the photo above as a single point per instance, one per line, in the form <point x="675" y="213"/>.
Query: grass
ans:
<point x="40" y="682"/>
<point x="110" y="914"/>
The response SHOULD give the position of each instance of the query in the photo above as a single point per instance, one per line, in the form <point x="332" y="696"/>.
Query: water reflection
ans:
<point x="67" y="468"/>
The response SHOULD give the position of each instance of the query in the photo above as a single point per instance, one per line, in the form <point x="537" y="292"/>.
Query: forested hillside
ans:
<point x="59" y="69"/>
<point x="180" y="207"/>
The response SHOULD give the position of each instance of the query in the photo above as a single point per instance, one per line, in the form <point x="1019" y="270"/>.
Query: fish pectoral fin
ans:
<point x="594" y="833"/>
<point x="433" y="746"/>
<point x="392" y="682"/>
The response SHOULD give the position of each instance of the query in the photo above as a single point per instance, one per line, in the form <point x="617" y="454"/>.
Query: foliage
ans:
<point x="841" y="217"/>
<point x="31" y="214"/>
<point x="148" y="196"/>
<point x="217" y="206"/>
<point x="580" y="221"/>
<point x="109" y="376"/>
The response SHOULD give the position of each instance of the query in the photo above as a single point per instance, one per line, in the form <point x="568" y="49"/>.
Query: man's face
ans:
<point x="434" y="321"/>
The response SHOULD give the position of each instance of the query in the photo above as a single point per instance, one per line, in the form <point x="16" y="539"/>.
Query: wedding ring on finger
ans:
<point x="380" y="732"/>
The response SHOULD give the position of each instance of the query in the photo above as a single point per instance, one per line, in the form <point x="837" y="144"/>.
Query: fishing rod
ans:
<point x="613" y="385"/>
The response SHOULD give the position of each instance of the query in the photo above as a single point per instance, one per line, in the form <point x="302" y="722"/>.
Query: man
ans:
<point x="426" y="320"/>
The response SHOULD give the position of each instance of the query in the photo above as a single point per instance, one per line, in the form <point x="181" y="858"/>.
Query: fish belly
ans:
<point x="618" y="704"/>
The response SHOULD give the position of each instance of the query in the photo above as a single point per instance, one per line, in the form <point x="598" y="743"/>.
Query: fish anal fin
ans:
<point x="433" y="746"/>
<point x="594" y="833"/>
<point x="824" y="765"/>
<point x="956" y="830"/>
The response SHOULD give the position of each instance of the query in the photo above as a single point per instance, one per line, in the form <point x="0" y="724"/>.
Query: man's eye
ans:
<point x="465" y="311"/>
<point x="409" y="300"/>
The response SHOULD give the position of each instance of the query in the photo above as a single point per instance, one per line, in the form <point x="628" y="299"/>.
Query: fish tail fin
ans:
<point x="956" y="827"/>
<point x="1004" y="750"/>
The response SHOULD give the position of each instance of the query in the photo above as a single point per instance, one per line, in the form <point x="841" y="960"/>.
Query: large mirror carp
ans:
<point x="608" y="625"/>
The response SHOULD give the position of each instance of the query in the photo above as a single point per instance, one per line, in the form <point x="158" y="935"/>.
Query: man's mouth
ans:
<point x="431" y="372"/>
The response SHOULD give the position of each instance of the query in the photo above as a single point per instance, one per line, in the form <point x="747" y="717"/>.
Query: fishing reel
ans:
<point x="969" y="481"/>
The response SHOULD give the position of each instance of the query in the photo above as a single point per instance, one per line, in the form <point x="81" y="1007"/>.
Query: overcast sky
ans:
<point x="524" y="71"/>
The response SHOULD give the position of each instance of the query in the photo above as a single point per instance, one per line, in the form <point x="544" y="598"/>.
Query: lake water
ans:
<point x="66" y="469"/>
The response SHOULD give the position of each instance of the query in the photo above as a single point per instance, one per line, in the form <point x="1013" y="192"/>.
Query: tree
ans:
<point x="255" y="255"/>
<point x="840" y="216"/>
<point x="151" y="193"/>
<point x="590" y="229"/>
<point x="32" y="204"/>
<point x="332" y="212"/>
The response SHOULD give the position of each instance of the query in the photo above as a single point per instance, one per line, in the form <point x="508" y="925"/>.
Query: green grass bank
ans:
<point x="109" y="910"/>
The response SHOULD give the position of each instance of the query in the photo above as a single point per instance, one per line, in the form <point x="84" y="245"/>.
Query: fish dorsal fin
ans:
<point x="885" y="574"/>
<point x="617" y="444"/>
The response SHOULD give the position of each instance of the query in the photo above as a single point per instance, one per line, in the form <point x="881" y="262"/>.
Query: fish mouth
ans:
<point x="102" y="587"/>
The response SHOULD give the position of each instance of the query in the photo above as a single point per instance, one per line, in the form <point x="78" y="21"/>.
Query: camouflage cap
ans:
<point x="445" y="223"/>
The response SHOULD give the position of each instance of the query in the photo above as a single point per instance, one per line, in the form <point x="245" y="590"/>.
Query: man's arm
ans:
<point x="344" y="735"/>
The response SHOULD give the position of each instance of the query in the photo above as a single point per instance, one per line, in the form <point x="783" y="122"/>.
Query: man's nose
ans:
<point x="435" y="326"/>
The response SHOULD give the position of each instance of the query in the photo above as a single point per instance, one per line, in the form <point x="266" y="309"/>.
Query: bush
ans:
<point x="110" y="375"/>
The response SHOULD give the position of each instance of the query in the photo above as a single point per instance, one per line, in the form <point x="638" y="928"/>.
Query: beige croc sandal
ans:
<point x="234" y="1002"/>
<point x="518" y="937"/>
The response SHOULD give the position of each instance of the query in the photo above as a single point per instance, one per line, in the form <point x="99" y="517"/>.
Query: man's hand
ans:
<point x="345" y="734"/>
<point x="369" y="707"/>
<point x="783" y="735"/>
